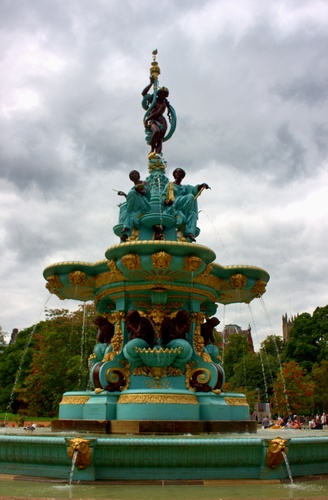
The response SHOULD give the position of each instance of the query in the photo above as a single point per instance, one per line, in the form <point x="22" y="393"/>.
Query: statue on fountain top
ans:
<point x="156" y="105"/>
<point x="180" y="200"/>
<point x="137" y="204"/>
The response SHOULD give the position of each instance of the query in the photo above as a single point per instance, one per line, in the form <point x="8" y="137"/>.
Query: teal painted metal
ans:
<point x="178" y="457"/>
<point x="158" y="271"/>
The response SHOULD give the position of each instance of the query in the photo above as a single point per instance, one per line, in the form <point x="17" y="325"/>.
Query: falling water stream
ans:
<point x="72" y="467"/>
<point x="160" y="203"/>
<point x="288" y="467"/>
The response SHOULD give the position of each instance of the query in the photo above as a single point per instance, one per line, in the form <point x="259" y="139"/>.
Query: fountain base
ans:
<point x="155" y="426"/>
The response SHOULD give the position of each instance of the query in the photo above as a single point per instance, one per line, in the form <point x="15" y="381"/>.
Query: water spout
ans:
<point x="288" y="467"/>
<point x="72" y="467"/>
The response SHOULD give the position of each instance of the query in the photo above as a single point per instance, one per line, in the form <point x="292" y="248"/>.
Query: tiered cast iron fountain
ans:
<point x="155" y="372"/>
<point x="155" y="367"/>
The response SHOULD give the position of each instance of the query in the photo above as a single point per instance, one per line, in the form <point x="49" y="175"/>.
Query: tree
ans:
<point x="236" y="350"/>
<point x="319" y="377"/>
<point x="2" y="337"/>
<point x="273" y="345"/>
<point x="47" y="360"/>
<point x="255" y="372"/>
<point x="293" y="391"/>
<point x="59" y="364"/>
<point x="14" y="364"/>
<point x="308" y="341"/>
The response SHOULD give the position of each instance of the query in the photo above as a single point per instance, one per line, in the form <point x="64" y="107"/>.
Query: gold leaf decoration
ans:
<point x="238" y="280"/>
<point x="198" y="339"/>
<point x="259" y="288"/>
<point x="161" y="260"/>
<point x="53" y="285"/>
<point x="236" y="401"/>
<point x="74" y="400"/>
<point x="115" y="274"/>
<point x="131" y="261"/>
<point x="192" y="263"/>
<point x="205" y="278"/>
<point x="157" y="399"/>
<point x="80" y="448"/>
<point x="77" y="278"/>
<point x="275" y="452"/>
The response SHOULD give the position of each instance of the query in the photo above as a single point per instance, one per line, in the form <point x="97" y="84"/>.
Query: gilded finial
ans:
<point x="155" y="70"/>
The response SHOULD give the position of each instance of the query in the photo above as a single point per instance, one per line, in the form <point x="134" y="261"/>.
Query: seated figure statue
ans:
<point x="137" y="204"/>
<point x="173" y="333"/>
<point x="207" y="332"/>
<point x="181" y="201"/>
<point x="104" y="337"/>
<point x="141" y="334"/>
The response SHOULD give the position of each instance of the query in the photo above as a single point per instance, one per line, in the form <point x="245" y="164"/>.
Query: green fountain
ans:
<point x="156" y="409"/>
<point x="155" y="367"/>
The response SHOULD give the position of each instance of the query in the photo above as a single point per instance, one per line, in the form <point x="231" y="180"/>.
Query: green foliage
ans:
<point x="56" y="362"/>
<point x="308" y="342"/>
<point x="273" y="346"/>
<point x="293" y="391"/>
<point x="2" y="337"/>
<point x="235" y="351"/>
<point x="319" y="377"/>
<point x="256" y="372"/>
<point x="14" y="364"/>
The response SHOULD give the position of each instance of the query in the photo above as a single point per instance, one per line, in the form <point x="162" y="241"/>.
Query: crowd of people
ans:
<point x="295" y="422"/>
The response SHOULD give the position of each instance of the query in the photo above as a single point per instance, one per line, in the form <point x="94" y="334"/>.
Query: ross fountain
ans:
<point x="156" y="409"/>
<point x="158" y="370"/>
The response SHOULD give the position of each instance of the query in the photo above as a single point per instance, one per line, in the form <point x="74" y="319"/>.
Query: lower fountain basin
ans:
<point x="178" y="457"/>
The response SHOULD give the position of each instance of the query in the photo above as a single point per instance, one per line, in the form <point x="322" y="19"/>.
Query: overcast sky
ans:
<point x="248" y="80"/>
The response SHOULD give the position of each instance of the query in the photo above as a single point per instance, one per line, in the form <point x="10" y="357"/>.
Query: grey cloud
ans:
<point x="246" y="94"/>
<point x="307" y="90"/>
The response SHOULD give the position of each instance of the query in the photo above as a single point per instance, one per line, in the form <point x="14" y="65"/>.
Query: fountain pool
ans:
<point x="210" y="490"/>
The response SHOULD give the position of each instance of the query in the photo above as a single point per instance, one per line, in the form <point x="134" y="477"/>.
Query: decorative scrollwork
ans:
<point x="118" y="379"/>
<point x="199" y="379"/>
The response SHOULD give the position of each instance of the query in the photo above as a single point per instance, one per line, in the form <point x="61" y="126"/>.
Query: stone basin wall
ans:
<point x="165" y="458"/>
